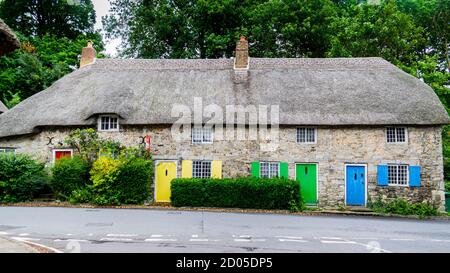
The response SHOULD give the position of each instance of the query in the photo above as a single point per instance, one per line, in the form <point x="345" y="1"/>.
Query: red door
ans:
<point x="61" y="154"/>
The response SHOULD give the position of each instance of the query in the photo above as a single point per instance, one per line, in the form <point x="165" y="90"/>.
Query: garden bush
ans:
<point x="21" y="178"/>
<point x="69" y="174"/>
<point x="243" y="192"/>
<point x="118" y="181"/>
<point x="402" y="207"/>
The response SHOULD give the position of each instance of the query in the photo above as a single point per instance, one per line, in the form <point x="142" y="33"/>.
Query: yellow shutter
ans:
<point x="186" y="169"/>
<point x="216" y="169"/>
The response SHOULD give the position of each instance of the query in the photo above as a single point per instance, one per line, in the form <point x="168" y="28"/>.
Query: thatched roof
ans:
<point x="343" y="91"/>
<point x="8" y="40"/>
<point x="2" y="107"/>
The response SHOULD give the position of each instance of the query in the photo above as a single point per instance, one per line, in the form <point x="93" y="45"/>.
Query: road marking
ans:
<point x="401" y="239"/>
<point x="24" y="234"/>
<point x="121" y="235"/>
<point x="3" y="233"/>
<point x="116" y="239"/>
<point x="293" y="240"/>
<point x="289" y="237"/>
<point x="337" y="242"/>
<point x="443" y="241"/>
<point x="160" y="240"/>
<point x="69" y="240"/>
<point x="25" y="239"/>
<point x="331" y="238"/>
<point x="69" y="234"/>
<point x="242" y="240"/>
<point x="195" y="236"/>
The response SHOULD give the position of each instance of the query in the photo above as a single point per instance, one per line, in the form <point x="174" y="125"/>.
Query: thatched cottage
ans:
<point x="350" y="129"/>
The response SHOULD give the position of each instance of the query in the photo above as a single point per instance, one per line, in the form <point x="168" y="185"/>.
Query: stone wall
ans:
<point x="335" y="147"/>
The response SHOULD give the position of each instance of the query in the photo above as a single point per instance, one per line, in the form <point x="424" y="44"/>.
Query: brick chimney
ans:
<point x="87" y="55"/>
<point x="241" y="59"/>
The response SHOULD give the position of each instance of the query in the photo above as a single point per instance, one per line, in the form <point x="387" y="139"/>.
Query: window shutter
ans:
<point x="382" y="175"/>
<point x="186" y="169"/>
<point x="216" y="169"/>
<point x="255" y="169"/>
<point x="284" y="170"/>
<point x="414" y="176"/>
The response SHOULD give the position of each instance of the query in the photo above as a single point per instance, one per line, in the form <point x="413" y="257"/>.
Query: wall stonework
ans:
<point x="335" y="147"/>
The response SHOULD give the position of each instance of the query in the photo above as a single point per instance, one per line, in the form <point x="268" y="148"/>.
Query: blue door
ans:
<point x="355" y="188"/>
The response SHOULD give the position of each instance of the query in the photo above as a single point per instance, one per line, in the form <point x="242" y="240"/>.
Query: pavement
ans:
<point x="12" y="246"/>
<point x="156" y="230"/>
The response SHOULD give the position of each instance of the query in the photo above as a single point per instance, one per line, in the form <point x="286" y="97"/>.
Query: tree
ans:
<point x="60" y="18"/>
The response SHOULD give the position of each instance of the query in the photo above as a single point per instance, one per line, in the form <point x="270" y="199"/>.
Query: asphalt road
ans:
<point x="128" y="230"/>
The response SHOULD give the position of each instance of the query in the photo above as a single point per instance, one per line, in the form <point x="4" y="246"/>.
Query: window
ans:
<point x="201" y="169"/>
<point x="7" y="150"/>
<point x="269" y="169"/>
<point x="108" y="123"/>
<point x="398" y="175"/>
<point x="202" y="135"/>
<point x="306" y="135"/>
<point x="396" y="134"/>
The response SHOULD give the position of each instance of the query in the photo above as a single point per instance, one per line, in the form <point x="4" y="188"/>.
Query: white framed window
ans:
<point x="60" y="153"/>
<point x="108" y="123"/>
<point x="201" y="169"/>
<point x="307" y="135"/>
<point x="269" y="169"/>
<point x="7" y="150"/>
<point x="396" y="135"/>
<point x="398" y="175"/>
<point x="202" y="135"/>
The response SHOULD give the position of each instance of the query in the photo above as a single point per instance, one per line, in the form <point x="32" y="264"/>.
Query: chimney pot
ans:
<point x="88" y="55"/>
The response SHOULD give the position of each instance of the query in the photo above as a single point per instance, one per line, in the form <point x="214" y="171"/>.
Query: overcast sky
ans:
<point x="101" y="9"/>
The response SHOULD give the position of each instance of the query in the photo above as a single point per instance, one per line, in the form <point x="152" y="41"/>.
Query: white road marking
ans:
<point x="69" y="234"/>
<point x="69" y="240"/>
<point x="337" y="242"/>
<point x="195" y="236"/>
<point x="25" y="239"/>
<point x="116" y="239"/>
<point x="121" y="235"/>
<point x="28" y="241"/>
<point x="160" y="240"/>
<point x="242" y="240"/>
<point x="3" y="233"/>
<point x="292" y="240"/>
<point x="401" y="239"/>
<point x="24" y="234"/>
<point x="331" y="238"/>
<point x="444" y="241"/>
<point x="289" y="237"/>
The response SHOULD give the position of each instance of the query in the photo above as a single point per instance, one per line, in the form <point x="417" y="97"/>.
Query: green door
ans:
<point x="306" y="174"/>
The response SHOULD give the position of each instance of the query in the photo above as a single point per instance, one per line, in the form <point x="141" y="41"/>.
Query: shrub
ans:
<point x="119" y="181"/>
<point x="402" y="207"/>
<point x="81" y="196"/>
<point x="21" y="178"/>
<point x="243" y="192"/>
<point x="69" y="174"/>
<point x="133" y="180"/>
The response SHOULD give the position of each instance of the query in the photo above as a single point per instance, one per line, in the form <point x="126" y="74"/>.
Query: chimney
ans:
<point x="87" y="55"/>
<point x="241" y="60"/>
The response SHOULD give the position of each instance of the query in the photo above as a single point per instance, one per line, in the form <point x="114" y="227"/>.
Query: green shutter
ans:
<point x="284" y="170"/>
<point x="255" y="169"/>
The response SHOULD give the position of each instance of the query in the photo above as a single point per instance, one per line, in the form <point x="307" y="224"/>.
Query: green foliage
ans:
<point x="80" y="196"/>
<point x="68" y="175"/>
<point x="119" y="181"/>
<point x="63" y="18"/>
<point x="243" y="192"/>
<point x="21" y="178"/>
<point x="402" y="207"/>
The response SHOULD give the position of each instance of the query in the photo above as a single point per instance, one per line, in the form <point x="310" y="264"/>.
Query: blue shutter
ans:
<point x="414" y="176"/>
<point x="382" y="175"/>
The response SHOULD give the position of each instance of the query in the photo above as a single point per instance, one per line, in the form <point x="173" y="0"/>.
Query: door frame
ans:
<point x="156" y="174"/>
<point x="317" y="177"/>
<point x="366" y="182"/>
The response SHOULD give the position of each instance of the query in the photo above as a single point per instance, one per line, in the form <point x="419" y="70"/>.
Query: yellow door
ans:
<point x="165" y="172"/>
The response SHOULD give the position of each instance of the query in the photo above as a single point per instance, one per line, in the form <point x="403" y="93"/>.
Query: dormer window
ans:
<point x="108" y="123"/>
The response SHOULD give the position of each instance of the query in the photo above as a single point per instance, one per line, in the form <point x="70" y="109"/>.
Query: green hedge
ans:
<point x="243" y="192"/>
<point x="69" y="174"/>
<point x="21" y="178"/>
